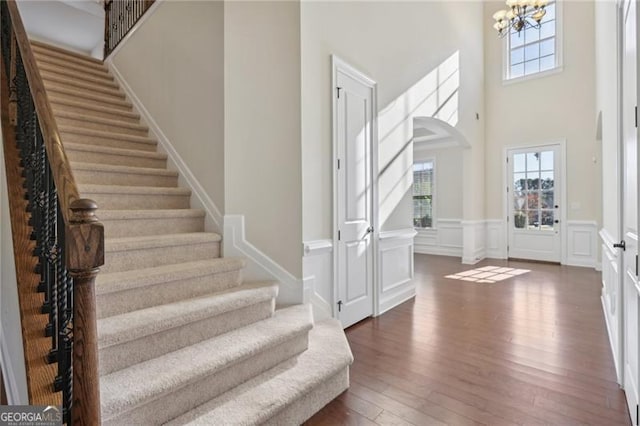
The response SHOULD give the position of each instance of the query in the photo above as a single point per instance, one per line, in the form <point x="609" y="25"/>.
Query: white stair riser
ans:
<point x="129" y="179"/>
<point x="81" y="96"/>
<point x="123" y="127"/>
<point x="122" y="114"/>
<point x="145" y="227"/>
<point x="138" y="201"/>
<point x="117" y="357"/>
<point x="121" y="302"/>
<point x="128" y="260"/>
<point x="176" y="403"/>
<point x="114" y="159"/>
<point x="302" y="409"/>
<point x="108" y="142"/>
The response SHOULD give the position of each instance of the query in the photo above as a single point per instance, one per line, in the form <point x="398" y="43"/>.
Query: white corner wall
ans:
<point x="11" y="344"/>
<point x="262" y="126"/>
<point x="174" y="65"/>
<point x="544" y="109"/>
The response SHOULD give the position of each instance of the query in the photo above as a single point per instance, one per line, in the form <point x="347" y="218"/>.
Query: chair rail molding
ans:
<point x="317" y="270"/>
<point x="199" y="197"/>
<point x="259" y="265"/>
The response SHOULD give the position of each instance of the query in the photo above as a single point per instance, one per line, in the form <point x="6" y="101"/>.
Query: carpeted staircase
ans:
<point x="182" y="339"/>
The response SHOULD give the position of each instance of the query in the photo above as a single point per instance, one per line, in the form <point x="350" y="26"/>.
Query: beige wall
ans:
<point x="262" y="126"/>
<point x="607" y="106"/>
<point x="559" y="106"/>
<point x="174" y="64"/>
<point x="449" y="176"/>
<point x="401" y="45"/>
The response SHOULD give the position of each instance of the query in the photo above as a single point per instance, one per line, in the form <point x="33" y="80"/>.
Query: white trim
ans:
<point x="614" y="352"/>
<point x="445" y="239"/>
<point x="317" y="247"/>
<point x="473" y="241"/>
<point x="398" y="233"/>
<point x="321" y="308"/>
<point x="562" y="144"/>
<point x="608" y="240"/>
<point x="259" y="265"/>
<point x="495" y="245"/>
<point x="559" y="53"/>
<point x="152" y="9"/>
<point x="397" y="299"/>
<point x="8" y="374"/>
<point x="317" y="263"/>
<point x="583" y="252"/>
<point x="199" y="197"/>
<point x="339" y="64"/>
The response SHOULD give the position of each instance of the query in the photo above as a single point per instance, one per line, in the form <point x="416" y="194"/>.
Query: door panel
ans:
<point x="354" y="127"/>
<point x="533" y="200"/>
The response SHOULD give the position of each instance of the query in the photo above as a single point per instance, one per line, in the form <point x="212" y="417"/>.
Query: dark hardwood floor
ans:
<point x="532" y="349"/>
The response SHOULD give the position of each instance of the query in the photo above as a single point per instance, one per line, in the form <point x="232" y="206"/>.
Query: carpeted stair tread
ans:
<point x="144" y="322"/>
<point x="102" y="121"/>
<point x="90" y="188"/>
<point x="114" y="168"/>
<point x="89" y="107"/>
<point x="61" y="71"/>
<point x="158" y="241"/>
<point x="56" y="90"/>
<point x="71" y="81"/>
<point x="126" y="280"/>
<point x="46" y="47"/>
<point x="104" y="134"/>
<point x="125" y="389"/>
<point x="260" y="399"/>
<point x="114" y="151"/>
<point x="149" y="214"/>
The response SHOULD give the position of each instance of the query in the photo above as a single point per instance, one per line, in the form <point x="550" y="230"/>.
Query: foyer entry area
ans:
<point x="530" y="349"/>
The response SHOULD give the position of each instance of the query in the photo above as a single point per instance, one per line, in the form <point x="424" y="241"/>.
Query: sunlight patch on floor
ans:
<point x="488" y="274"/>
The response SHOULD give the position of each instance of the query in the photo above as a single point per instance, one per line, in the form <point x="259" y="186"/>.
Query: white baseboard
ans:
<point x="582" y="243"/>
<point x="317" y="269"/>
<point x="259" y="265"/>
<point x="199" y="197"/>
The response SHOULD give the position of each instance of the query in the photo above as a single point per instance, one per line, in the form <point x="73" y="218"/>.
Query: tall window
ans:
<point x="423" y="178"/>
<point x="535" y="50"/>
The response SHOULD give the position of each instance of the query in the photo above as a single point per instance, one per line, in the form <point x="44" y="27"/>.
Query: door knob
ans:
<point x="622" y="244"/>
<point x="369" y="229"/>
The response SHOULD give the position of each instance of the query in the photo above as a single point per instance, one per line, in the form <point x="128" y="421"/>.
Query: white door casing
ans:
<point x="354" y="140"/>
<point x="535" y="202"/>
<point x="631" y="295"/>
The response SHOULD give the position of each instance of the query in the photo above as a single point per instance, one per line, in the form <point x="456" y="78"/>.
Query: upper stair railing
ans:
<point x="69" y="239"/>
<point x="119" y="18"/>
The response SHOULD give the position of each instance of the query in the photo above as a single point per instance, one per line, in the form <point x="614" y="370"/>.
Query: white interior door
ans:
<point x="534" y="203"/>
<point x="630" y="209"/>
<point x="354" y="125"/>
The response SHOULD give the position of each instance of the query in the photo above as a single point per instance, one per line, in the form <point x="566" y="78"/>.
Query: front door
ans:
<point x="630" y="209"/>
<point x="354" y="127"/>
<point x="534" y="203"/>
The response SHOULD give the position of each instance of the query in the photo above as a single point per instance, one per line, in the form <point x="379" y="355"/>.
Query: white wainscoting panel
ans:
<point x="582" y="243"/>
<point x="473" y="241"/>
<point x="445" y="239"/>
<point x="395" y="268"/>
<point x="611" y="297"/>
<point x="317" y="270"/>
<point x="496" y="239"/>
<point x="259" y="265"/>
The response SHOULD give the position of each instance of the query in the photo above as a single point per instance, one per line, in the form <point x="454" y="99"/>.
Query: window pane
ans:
<point x="531" y="34"/>
<point x="517" y="71"/>
<point x="547" y="47"/>
<point x="533" y="180"/>
<point x="533" y="200"/>
<point x="517" y="56"/>
<point x="547" y="63"/>
<point x="519" y="199"/>
<point x="531" y="67"/>
<point x="532" y="51"/>
<point x="551" y="13"/>
<point x="546" y="180"/>
<point x="546" y="200"/>
<point x="518" y="162"/>
<point x="548" y="29"/>
<point x="519" y="181"/>
<point x="546" y="160"/>
<point x="533" y="161"/>
<point x="519" y="219"/>
<point x="422" y="198"/>
<point x="533" y="219"/>
<point x="516" y="39"/>
<point x="546" y="219"/>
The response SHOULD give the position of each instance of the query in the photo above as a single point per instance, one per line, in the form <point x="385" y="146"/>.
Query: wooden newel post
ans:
<point x="85" y="255"/>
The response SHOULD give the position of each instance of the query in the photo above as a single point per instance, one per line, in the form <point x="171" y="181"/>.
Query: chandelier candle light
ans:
<point x="519" y="15"/>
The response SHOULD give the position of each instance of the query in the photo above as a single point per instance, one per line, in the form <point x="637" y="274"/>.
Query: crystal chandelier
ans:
<point x="520" y="14"/>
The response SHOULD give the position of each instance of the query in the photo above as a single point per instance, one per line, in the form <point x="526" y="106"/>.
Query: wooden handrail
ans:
<point x="62" y="174"/>
<point x="76" y="247"/>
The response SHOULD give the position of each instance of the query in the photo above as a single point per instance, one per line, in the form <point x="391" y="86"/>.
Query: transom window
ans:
<point x="534" y="50"/>
<point x="423" y="180"/>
